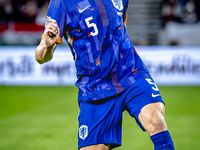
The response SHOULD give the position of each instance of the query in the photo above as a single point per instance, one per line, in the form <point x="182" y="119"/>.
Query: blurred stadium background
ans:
<point x="38" y="104"/>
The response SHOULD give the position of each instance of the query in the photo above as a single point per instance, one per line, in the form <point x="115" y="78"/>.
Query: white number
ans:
<point x="87" y="20"/>
<point x="150" y="82"/>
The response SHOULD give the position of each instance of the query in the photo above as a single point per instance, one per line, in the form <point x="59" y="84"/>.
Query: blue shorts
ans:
<point x="100" y="122"/>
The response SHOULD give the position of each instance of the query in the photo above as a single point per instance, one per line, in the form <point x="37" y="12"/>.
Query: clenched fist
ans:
<point x="51" y="33"/>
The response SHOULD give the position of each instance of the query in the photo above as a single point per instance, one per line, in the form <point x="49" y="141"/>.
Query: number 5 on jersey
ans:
<point x="87" y="20"/>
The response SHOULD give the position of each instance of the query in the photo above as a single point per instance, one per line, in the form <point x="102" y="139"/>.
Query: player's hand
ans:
<point x="51" y="33"/>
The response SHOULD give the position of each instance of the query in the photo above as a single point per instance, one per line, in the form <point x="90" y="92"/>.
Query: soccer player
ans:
<point x="110" y="75"/>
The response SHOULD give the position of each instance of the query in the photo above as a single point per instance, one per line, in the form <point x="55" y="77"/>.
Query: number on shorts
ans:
<point x="151" y="82"/>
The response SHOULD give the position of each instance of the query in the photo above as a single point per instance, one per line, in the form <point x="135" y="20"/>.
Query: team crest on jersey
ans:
<point x="118" y="4"/>
<point x="83" y="131"/>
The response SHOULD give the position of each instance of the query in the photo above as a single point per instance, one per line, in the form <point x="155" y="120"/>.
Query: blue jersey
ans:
<point x="104" y="56"/>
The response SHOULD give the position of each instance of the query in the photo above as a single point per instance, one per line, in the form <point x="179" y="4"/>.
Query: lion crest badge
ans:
<point x="83" y="132"/>
<point x="118" y="4"/>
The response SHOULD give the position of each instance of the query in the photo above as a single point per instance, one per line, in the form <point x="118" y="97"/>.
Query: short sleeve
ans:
<point x="56" y="11"/>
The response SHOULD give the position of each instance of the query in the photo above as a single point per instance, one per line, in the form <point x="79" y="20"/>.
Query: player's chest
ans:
<point x="95" y="8"/>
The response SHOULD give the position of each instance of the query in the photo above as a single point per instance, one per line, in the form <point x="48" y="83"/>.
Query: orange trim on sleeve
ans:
<point x="42" y="36"/>
<point x="71" y="40"/>
<point x="125" y="20"/>
<point x="59" y="39"/>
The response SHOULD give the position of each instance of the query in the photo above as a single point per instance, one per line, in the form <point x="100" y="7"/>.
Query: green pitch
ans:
<point x="45" y="118"/>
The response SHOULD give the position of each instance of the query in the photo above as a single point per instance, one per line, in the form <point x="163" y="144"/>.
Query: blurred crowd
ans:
<point x="181" y="11"/>
<point x="23" y="10"/>
<point x="176" y="16"/>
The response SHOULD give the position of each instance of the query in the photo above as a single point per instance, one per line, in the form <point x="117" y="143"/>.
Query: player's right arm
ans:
<point x="44" y="51"/>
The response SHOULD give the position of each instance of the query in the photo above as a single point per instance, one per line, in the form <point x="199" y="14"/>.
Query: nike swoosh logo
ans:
<point x="155" y="95"/>
<point x="82" y="10"/>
